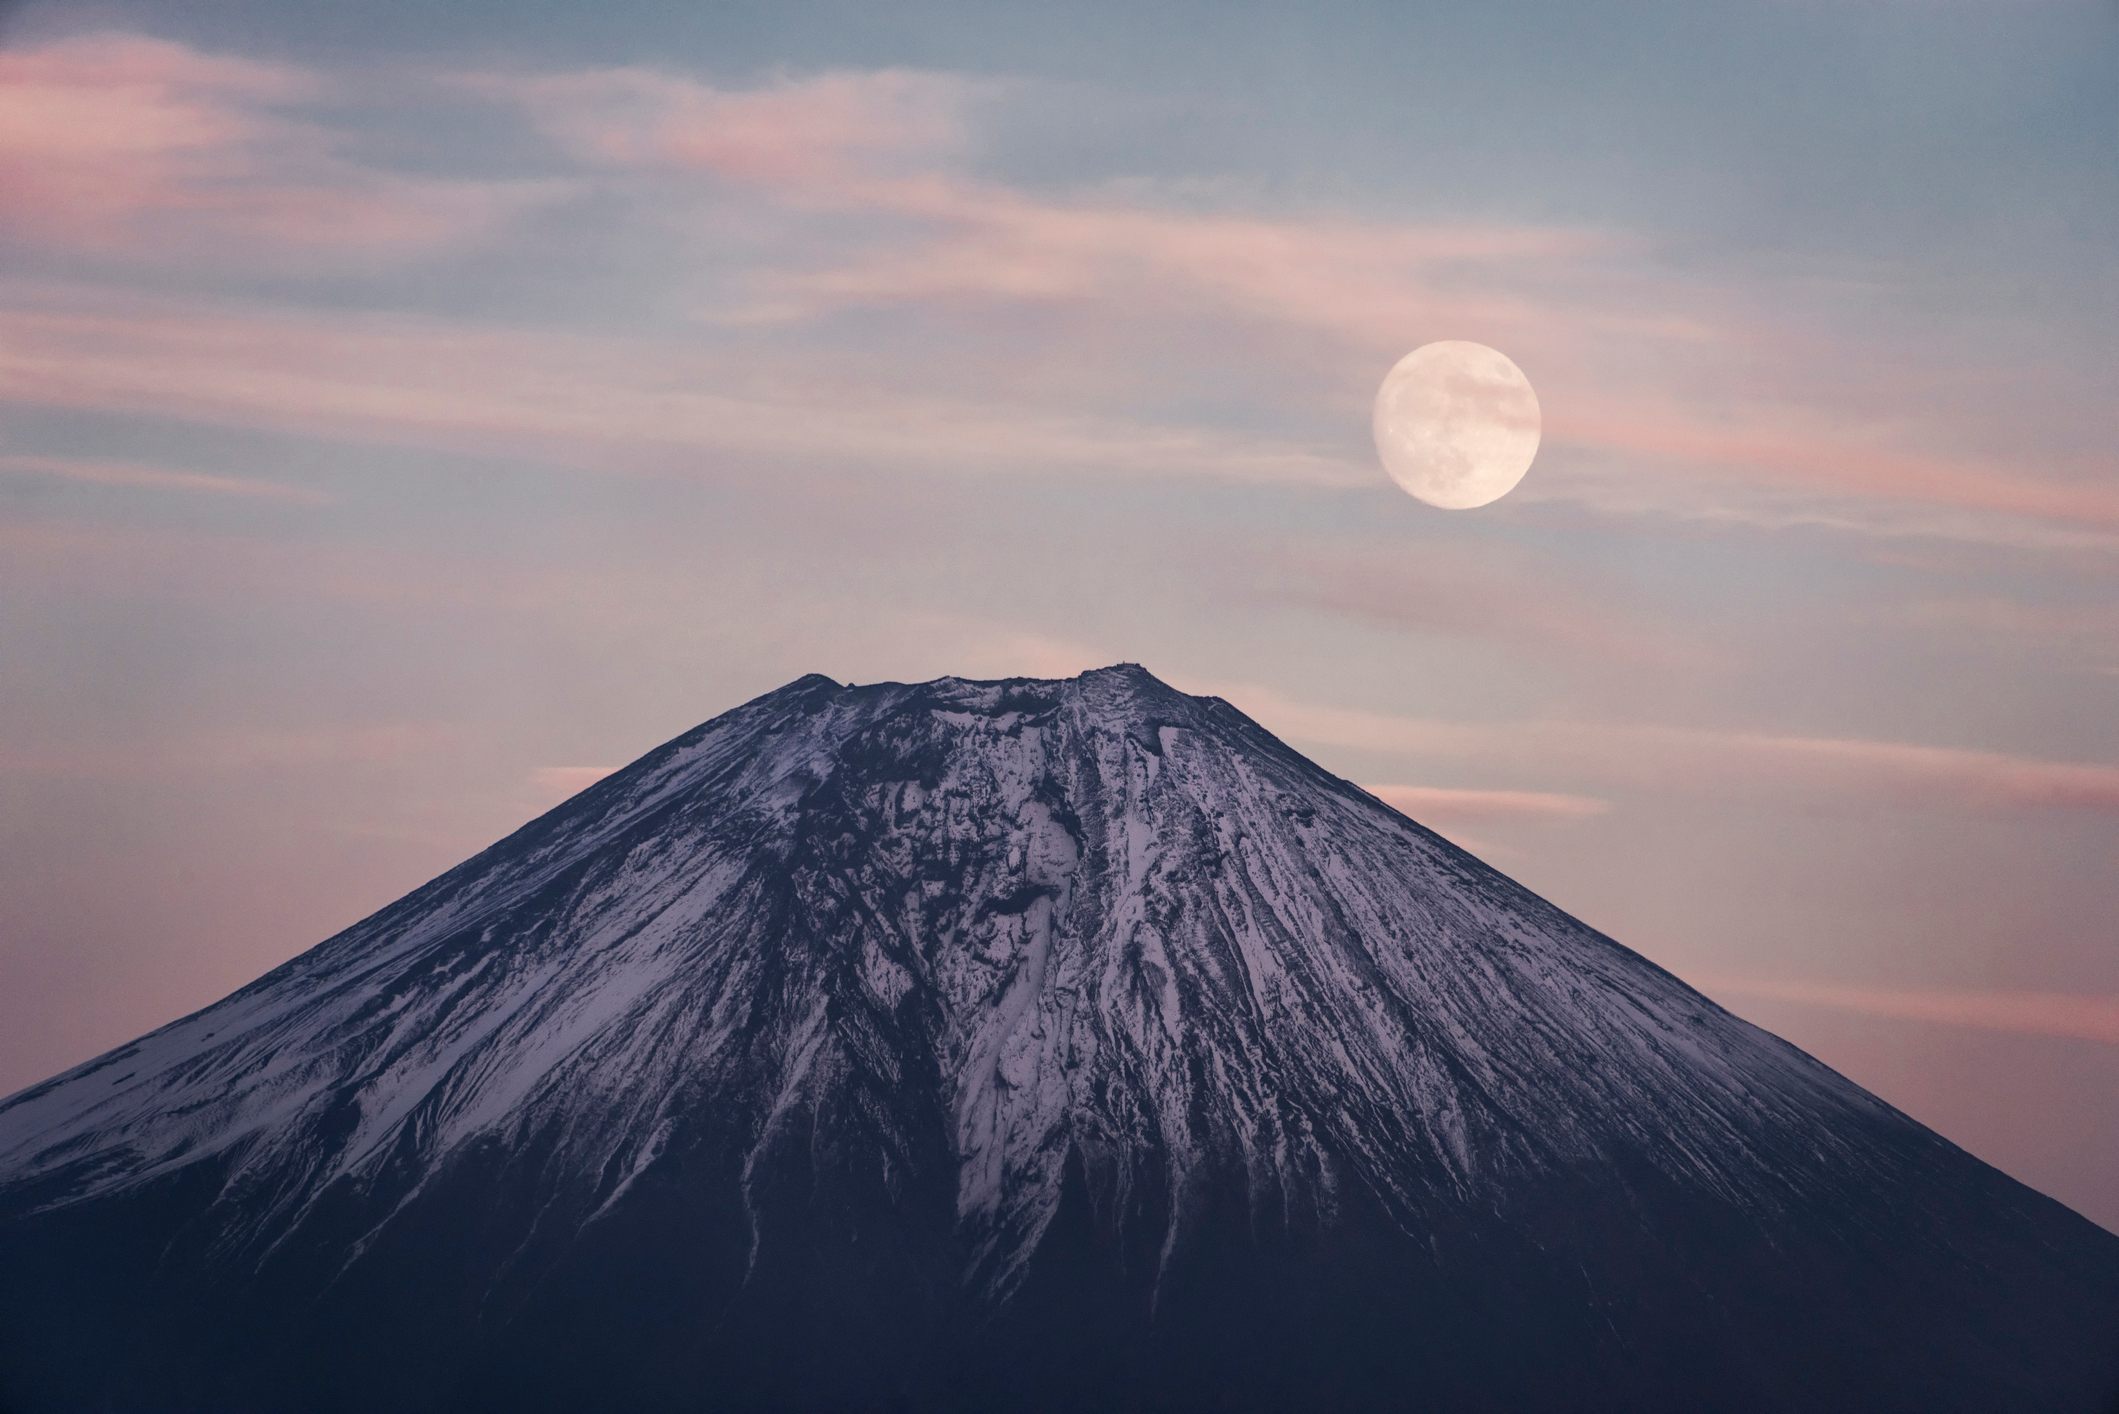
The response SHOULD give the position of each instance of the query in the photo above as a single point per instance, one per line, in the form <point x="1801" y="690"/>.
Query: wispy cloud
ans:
<point x="810" y="133"/>
<point x="605" y="402"/>
<point x="1908" y="771"/>
<point x="1782" y="465"/>
<point x="2084" y="1017"/>
<point x="876" y="191"/>
<point x="1451" y="804"/>
<point x="145" y="477"/>
<point x="889" y="144"/>
<point x="1687" y="760"/>
<point x="1574" y="304"/>
<point x="122" y="143"/>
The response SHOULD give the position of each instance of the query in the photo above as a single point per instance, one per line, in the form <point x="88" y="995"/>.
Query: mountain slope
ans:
<point x="1004" y="1045"/>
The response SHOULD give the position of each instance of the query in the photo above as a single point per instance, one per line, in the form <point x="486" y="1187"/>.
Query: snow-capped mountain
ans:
<point x="1004" y="1045"/>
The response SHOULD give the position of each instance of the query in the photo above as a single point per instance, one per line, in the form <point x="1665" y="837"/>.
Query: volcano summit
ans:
<point x="1042" y="1045"/>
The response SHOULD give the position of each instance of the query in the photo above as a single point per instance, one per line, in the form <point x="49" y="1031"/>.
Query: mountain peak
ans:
<point x="1127" y="675"/>
<point x="1119" y="692"/>
<point x="1133" y="681"/>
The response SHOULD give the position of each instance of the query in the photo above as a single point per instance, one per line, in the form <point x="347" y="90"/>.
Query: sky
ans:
<point x="410" y="411"/>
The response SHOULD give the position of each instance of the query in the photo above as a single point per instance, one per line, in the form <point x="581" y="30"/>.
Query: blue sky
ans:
<point x="407" y="411"/>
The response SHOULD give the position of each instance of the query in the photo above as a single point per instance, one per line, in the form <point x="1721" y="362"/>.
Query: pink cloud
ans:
<point x="161" y="152"/>
<point x="1373" y="284"/>
<point x="1659" y="759"/>
<point x="1986" y="779"/>
<point x="98" y="129"/>
<point x="140" y="476"/>
<point x="1798" y="453"/>
<point x="594" y="401"/>
<point x="2089" y="1018"/>
<point x="125" y="144"/>
<point x="1359" y="729"/>
<point x="1448" y="804"/>
<point x="1570" y="303"/>
<point x="885" y="142"/>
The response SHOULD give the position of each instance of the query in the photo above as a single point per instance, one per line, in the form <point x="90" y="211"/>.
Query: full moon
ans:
<point x="1456" y="424"/>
